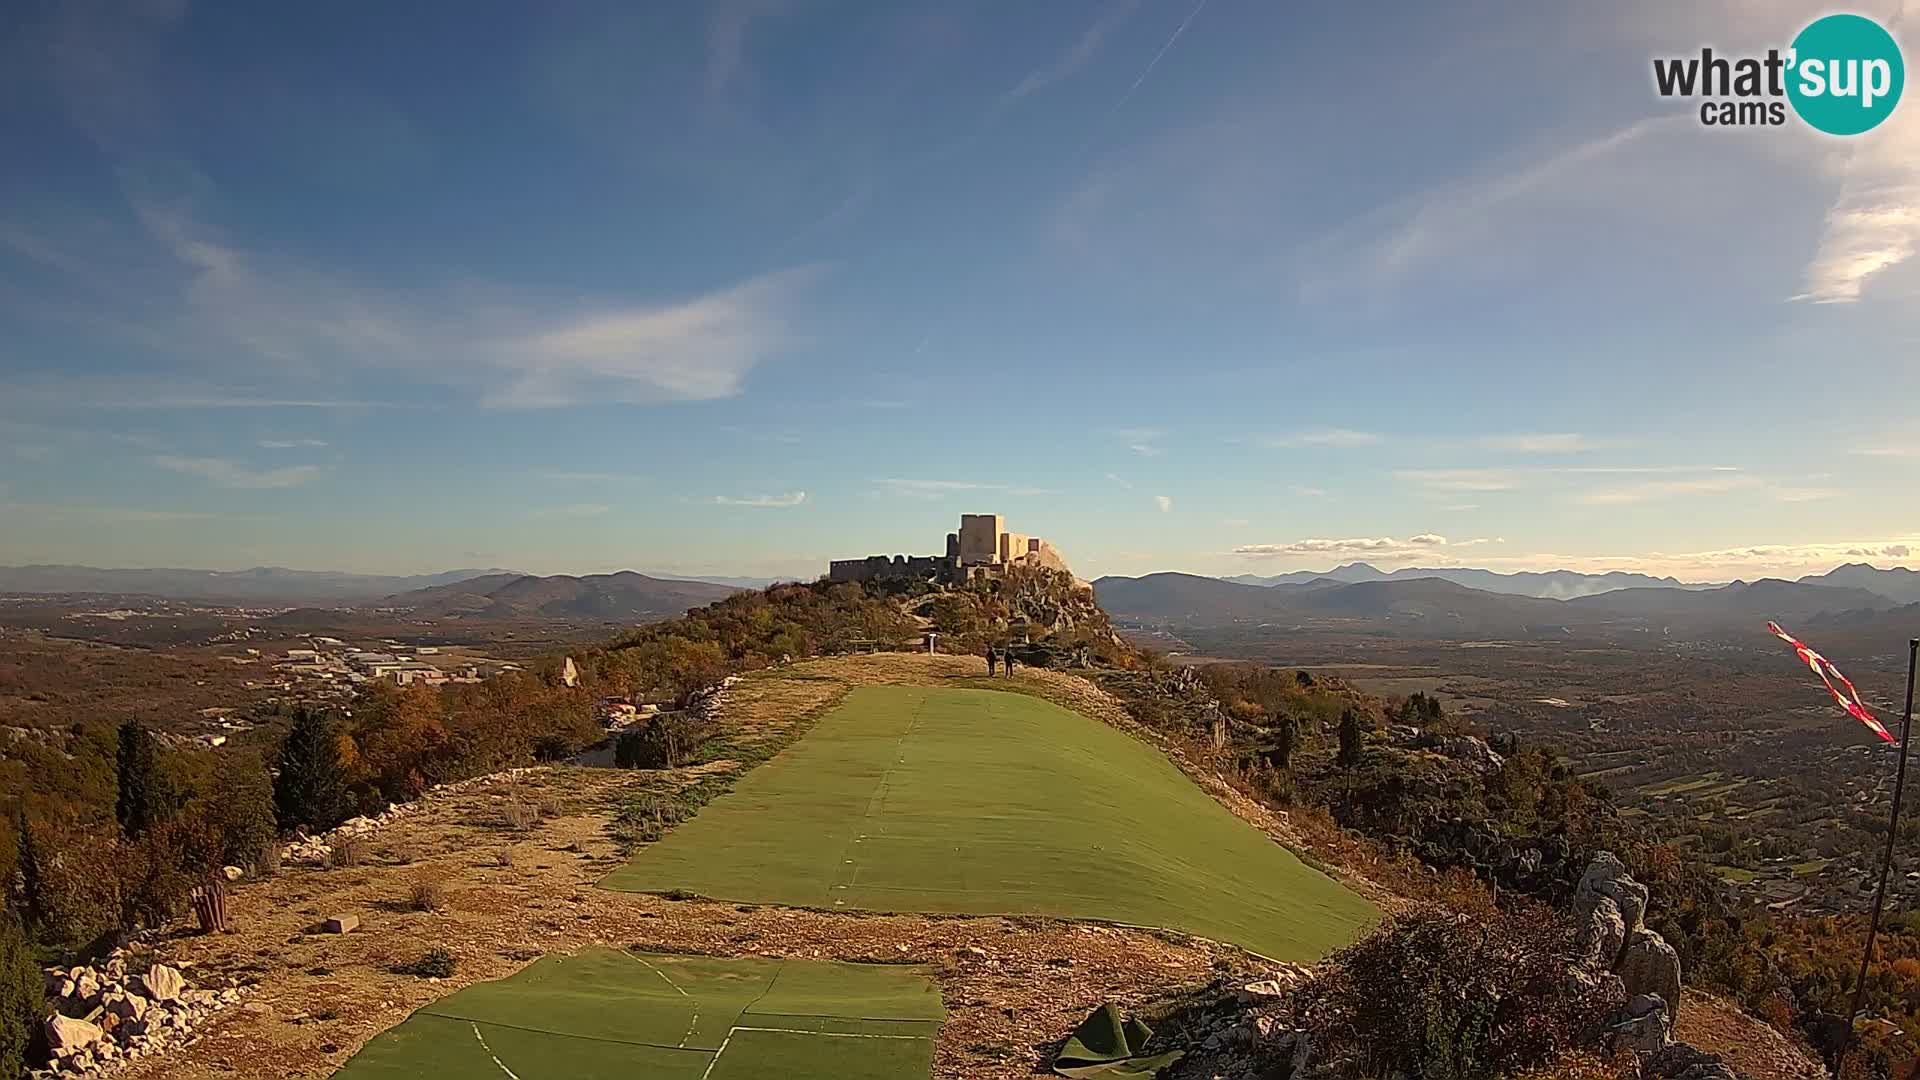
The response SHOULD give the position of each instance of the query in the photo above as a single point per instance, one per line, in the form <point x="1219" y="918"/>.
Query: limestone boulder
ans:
<point x="1606" y="876"/>
<point x="1648" y="965"/>
<point x="1645" y="1028"/>
<point x="162" y="983"/>
<point x="65" y="1035"/>
<point x="1603" y="933"/>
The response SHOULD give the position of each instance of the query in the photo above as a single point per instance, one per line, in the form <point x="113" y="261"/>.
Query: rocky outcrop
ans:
<point x="106" y="1016"/>
<point x="1610" y="908"/>
<point x="1650" y="966"/>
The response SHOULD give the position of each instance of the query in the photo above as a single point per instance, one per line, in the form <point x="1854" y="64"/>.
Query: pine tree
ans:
<point x="1351" y="736"/>
<point x="31" y="867"/>
<point x="311" y="790"/>
<point x="145" y="799"/>
<point x="22" y="997"/>
<point x="1286" y="737"/>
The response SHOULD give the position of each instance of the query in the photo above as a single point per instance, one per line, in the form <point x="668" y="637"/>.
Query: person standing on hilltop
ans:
<point x="1009" y="663"/>
<point x="990" y="661"/>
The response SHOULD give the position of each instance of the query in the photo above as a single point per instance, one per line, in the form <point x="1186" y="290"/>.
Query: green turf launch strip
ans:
<point x="984" y="802"/>
<point x="639" y="1016"/>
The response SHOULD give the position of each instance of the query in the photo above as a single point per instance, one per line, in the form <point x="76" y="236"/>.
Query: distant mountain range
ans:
<point x="265" y="585"/>
<point x="1437" y="606"/>
<point x="275" y="586"/>
<point x="1555" y="584"/>
<point x="1896" y="583"/>
<point x="625" y="596"/>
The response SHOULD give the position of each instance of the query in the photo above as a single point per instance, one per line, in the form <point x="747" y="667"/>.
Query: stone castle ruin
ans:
<point x="982" y="548"/>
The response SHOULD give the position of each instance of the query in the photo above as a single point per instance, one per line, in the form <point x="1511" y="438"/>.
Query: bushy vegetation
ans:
<point x="435" y="963"/>
<point x="21" y="997"/>
<point x="1443" y="995"/>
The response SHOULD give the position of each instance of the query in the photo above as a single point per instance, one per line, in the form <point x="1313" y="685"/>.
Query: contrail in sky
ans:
<point x="1094" y="135"/>
<point x="1151" y="64"/>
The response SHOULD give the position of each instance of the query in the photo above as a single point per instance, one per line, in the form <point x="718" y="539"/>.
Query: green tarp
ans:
<point x="1105" y="1047"/>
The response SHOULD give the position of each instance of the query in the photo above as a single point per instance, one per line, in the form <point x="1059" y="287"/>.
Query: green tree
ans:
<point x="1352" y="739"/>
<point x="240" y="810"/>
<point x="1286" y="735"/>
<point x="21" y="997"/>
<point x="311" y="790"/>
<point x="146" y="798"/>
<point x="30" y="866"/>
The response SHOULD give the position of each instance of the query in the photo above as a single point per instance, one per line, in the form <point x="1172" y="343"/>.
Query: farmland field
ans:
<point x="910" y="799"/>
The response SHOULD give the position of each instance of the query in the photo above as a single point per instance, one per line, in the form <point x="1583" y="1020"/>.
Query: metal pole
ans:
<point x="1893" y="828"/>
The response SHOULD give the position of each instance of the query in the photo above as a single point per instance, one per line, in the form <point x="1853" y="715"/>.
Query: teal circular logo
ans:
<point x="1846" y="74"/>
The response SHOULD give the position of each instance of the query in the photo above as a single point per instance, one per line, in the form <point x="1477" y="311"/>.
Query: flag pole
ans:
<point x="1893" y="828"/>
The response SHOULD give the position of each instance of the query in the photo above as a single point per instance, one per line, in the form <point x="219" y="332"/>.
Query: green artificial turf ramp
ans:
<point x="984" y="802"/>
<point x="607" y="1014"/>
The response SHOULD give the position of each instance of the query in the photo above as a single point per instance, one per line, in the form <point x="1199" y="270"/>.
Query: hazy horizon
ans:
<point x="738" y="288"/>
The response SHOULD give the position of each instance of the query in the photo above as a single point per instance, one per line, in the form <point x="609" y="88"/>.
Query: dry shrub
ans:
<point x="1448" y="996"/>
<point x="267" y="864"/>
<point x="520" y="816"/>
<point x="347" y="851"/>
<point x="428" y="894"/>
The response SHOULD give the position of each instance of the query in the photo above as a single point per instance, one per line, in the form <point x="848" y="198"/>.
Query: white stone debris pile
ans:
<point x="316" y="850"/>
<point x="107" y="1016"/>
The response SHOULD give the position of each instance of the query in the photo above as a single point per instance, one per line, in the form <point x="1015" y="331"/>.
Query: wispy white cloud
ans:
<point x="694" y="350"/>
<point x="763" y="502"/>
<point x="1460" y="479"/>
<point x="940" y="489"/>
<point x="291" y="444"/>
<point x="1874" y="223"/>
<point x="1891" y="450"/>
<point x="1120" y="481"/>
<point x="1164" y="502"/>
<point x="727" y="32"/>
<point x="292" y="324"/>
<point x="1336" y="437"/>
<point x="223" y="472"/>
<point x="1306" y="492"/>
<point x="1144" y="441"/>
<point x="1656" y="490"/>
<point x="1464" y="214"/>
<point x="575" y="476"/>
<point x="571" y="510"/>
<point x="1076" y="57"/>
<point x="1564" y="442"/>
<point x="1385" y="548"/>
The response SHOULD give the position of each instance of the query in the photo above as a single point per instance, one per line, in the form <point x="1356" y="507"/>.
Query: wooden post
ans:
<point x="1893" y="829"/>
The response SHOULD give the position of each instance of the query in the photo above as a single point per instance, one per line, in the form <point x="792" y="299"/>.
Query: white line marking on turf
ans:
<point x="691" y="1024"/>
<point x="794" y="1031"/>
<point x="827" y="1034"/>
<point x="490" y="1053"/>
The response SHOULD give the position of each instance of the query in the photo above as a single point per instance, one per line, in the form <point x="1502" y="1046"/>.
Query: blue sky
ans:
<point x="737" y="287"/>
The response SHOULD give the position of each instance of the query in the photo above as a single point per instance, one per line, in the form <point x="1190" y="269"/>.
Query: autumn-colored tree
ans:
<point x="399" y="732"/>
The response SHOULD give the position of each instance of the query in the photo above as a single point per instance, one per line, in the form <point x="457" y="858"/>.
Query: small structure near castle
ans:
<point x="981" y="548"/>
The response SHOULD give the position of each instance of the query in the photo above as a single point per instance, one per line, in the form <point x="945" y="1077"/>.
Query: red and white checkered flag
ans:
<point x="1850" y="700"/>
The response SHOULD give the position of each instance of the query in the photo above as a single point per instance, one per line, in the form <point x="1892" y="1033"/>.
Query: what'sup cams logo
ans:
<point x="1843" y="75"/>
